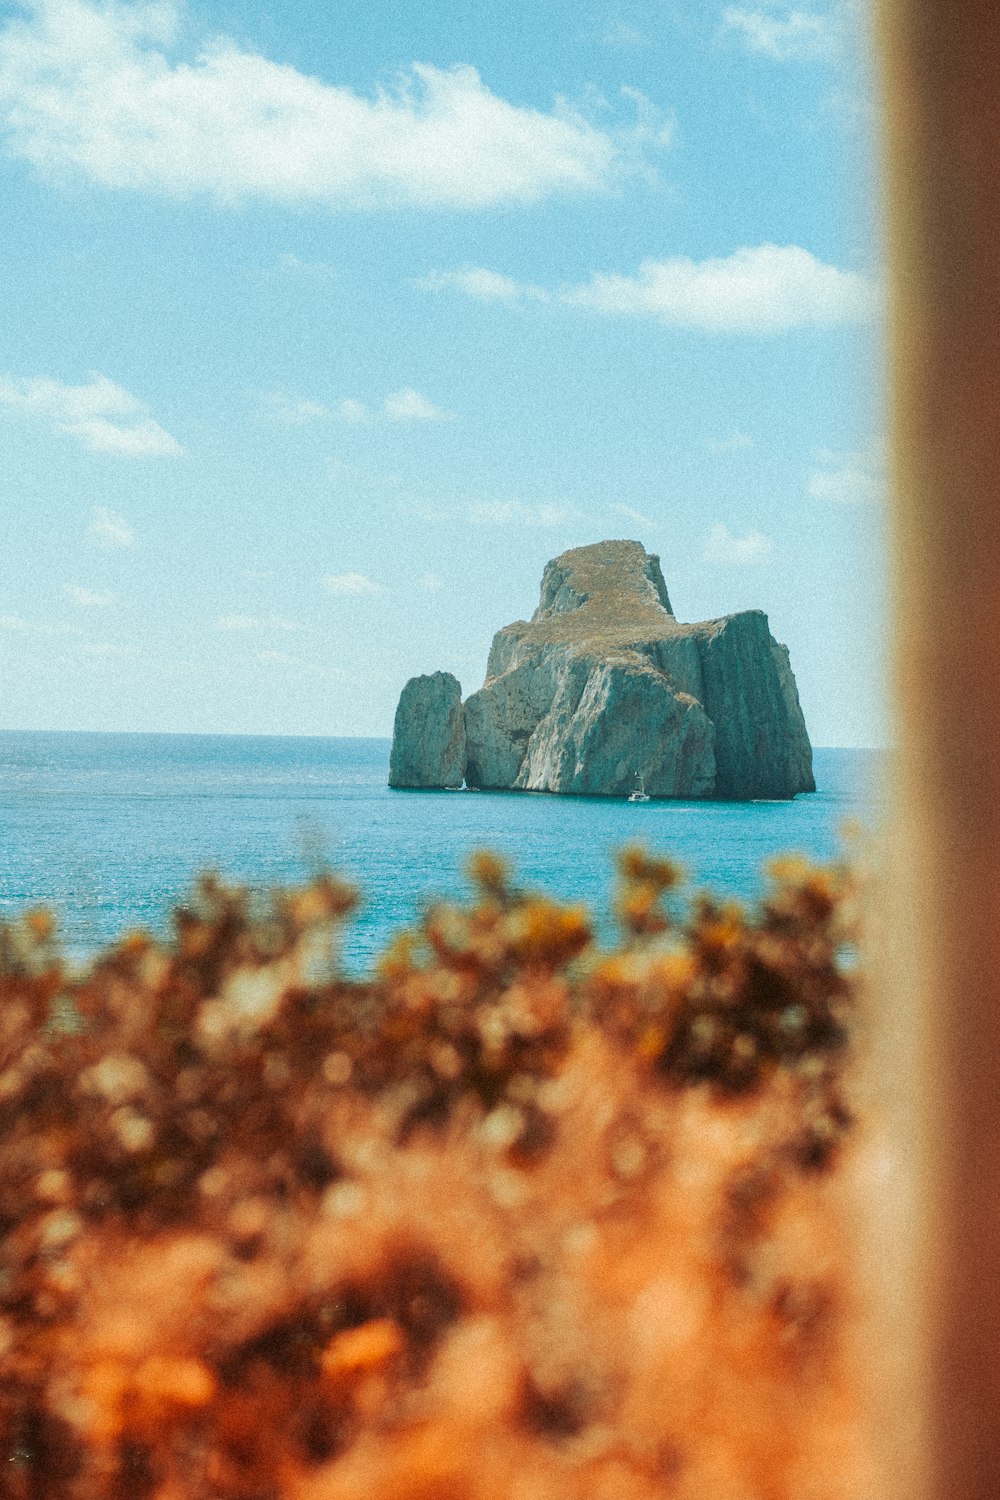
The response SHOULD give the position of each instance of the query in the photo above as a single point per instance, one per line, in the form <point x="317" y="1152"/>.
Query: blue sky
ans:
<point x="328" y="325"/>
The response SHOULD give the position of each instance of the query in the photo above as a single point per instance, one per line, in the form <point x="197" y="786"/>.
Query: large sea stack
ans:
<point x="603" y="686"/>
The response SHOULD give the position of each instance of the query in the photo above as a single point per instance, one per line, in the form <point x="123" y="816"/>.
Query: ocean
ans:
<point x="110" y="830"/>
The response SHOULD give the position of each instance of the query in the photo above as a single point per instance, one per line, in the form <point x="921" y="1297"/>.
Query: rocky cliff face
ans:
<point x="603" y="685"/>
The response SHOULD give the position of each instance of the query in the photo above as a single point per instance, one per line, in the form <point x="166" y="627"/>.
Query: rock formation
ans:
<point x="428" y="737"/>
<point x="604" y="685"/>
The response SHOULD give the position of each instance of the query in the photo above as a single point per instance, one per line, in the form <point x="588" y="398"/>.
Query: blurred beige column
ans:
<point x="940" y="63"/>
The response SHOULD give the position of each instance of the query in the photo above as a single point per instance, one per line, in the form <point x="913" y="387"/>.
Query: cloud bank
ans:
<point x="483" y="285"/>
<point x="514" y="513"/>
<point x="89" y="598"/>
<point x="92" y="88"/>
<point x="756" y="290"/>
<point x="406" y="405"/>
<point x="723" y="546"/>
<point x="759" y="289"/>
<point x="409" y="405"/>
<point x="292" y="411"/>
<point x="631" y="514"/>
<point x="100" y="414"/>
<point x="108" y="529"/>
<point x="786" y="32"/>
<point x="846" y="479"/>
<point x="352" y="585"/>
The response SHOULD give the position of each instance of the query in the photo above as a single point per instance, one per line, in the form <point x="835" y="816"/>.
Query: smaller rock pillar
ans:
<point x="428" y="737"/>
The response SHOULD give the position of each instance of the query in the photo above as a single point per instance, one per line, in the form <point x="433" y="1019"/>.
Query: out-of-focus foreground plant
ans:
<point x="515" y="1218"/>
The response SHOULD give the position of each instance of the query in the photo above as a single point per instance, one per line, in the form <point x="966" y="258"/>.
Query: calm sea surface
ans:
<point x="111" y="829"/>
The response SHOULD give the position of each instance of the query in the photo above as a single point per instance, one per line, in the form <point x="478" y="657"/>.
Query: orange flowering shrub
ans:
<point x="514" y="1219"/>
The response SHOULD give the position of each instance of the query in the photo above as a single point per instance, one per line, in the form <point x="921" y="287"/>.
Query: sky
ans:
<point x="328" y="325"/>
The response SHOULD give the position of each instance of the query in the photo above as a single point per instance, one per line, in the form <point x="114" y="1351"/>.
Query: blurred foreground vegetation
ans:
<point x="513" y="1217"/>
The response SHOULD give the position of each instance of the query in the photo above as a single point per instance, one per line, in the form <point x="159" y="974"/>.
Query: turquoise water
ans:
<point x="110" y="829"/>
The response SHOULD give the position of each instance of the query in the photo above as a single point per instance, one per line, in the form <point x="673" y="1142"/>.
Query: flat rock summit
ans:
<point x="604" y="686"/>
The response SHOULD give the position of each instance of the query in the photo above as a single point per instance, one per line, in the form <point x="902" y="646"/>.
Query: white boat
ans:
<point x="640" y="794"/>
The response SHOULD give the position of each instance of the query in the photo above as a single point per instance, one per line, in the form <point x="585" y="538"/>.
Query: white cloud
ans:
<point x="274" y="658"/>
<point x="846" y="479"/>
<point x="652" y="127"/>
<point x="293" y="411"/>
<point x="355" y="412"/>
<point x="409" y="405"/>
<point x="483" y="285"/>
<point x="37" y="627"/>
<point x="286" y="267"/>
<point x="356" y="585"/>
<point x="756" y="289"/>
<point x="110" y="529"/>
<point x="291" y="265"/>
<point x="430" y="582"/>
<point x="102" y="415"/>
<point x="723" y="547"/>
<point x="788" y="32"/>
<point x="255" y="622"/>
<point x="630" y="514"/>
<point x="105" y="650"/>
<point x="145" y="439"/>
<point x="89" y="598"/>
<point x="98" y="87"/>
<point x="513" y="513"/>
<point x="730" y="444"/>
<point x="761" y="289"/>
<point x="620" y="34"/>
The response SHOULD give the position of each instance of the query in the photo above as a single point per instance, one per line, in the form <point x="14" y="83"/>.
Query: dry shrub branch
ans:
<point x="515" y="1219"/>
